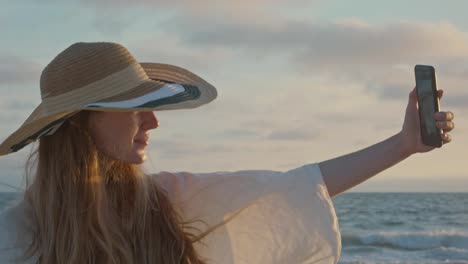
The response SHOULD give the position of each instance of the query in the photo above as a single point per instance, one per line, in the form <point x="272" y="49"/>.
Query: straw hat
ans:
<point x="106" y="77"/>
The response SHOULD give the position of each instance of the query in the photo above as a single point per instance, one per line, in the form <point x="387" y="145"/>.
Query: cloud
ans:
<point x="239" y="133"/>
<point x="225" y="143"/>
<point x="168" y="49"/>
<point x="111" y="14"/>
<point x="110" y="25"/>
<point x="389" y="90"/>
<point x="381" y="58"/>
<point x="291" y="134"/>
<point x="460" y="101"/>
<point x="17" y="70"/>
<point x="329" y="45"/>
<point x="10" y="118"/>
<point x="21" y="105"/>
<point x="202" y="7"/>
<point x="176" y="148"/>
<point x="277" y="132"/>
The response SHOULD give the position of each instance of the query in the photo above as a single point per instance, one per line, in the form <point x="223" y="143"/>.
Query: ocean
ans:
<point x="403" y="227"/>
<point x="395" y="228"/>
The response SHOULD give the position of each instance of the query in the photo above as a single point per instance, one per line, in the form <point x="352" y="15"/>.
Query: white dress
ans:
<point x="260" y="216"/>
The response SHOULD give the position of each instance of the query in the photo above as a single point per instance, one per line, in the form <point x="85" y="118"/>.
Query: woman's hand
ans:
<point x="347" y="171"/>
<point x="410" y="135"/>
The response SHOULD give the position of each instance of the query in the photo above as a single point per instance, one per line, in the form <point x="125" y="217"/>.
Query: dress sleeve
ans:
<point x="259" y="216"/>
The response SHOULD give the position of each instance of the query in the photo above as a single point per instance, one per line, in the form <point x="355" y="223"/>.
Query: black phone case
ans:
<point x="431" y="135"/>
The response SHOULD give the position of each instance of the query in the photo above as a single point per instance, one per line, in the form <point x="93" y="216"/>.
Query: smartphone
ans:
<point x="428" y="103"/>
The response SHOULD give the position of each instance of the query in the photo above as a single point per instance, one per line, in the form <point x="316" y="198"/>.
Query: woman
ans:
<point x="90" y="202"/>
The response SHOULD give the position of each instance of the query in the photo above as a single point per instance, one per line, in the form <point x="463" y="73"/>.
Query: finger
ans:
<point x="445" y="125"/>
<point x="440" y="93"/>
<point x="444" y="116"/>
<point x="413" y="95"/>
<point x="446" y="138"/>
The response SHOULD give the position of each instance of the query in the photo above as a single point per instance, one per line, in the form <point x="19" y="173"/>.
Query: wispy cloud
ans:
<point x="202" y="7"/>
<point x="239" y="133"/>
<point x="380" y="58"/>
<point x="324" y="46"/>
<point x="17" y="70"/>
<point x="460" y="101"/>
<point x="169" y="49"/>
<point x="9" y="118"/>
<point x="177" y="148"/>
<point x="291" y="134"/>
<point x="16" y="104"/>
<point x="110" y="25"/>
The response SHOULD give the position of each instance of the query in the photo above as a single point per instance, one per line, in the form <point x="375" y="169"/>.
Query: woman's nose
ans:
<point x="149" y="120"/>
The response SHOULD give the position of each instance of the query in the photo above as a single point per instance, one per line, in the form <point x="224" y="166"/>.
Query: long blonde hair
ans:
<point x="87" y="208"/>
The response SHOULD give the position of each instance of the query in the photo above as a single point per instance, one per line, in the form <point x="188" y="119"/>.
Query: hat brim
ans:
<point x="171" y="87"/>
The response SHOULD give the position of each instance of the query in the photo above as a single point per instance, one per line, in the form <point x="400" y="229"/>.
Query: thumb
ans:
<point x="413" y="99"/>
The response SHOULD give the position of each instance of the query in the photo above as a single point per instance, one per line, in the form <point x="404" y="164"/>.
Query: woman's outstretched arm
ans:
<point x="345" y="172"/>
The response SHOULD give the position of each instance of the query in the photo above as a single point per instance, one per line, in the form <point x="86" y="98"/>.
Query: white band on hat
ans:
<point x="168" y="90"/>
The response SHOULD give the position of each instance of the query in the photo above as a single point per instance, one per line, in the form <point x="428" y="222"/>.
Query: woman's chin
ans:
<point x="138" y="158"/>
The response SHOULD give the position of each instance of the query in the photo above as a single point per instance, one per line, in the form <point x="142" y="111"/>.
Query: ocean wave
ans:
<point x="417" y="240"/>
<point x="391" y="256"/>
<point x="402" y="262"/>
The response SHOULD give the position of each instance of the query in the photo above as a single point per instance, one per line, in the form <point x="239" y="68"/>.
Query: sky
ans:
<point x="298" y="81"/>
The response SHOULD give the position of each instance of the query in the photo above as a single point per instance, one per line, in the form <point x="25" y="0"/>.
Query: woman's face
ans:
<point x="122" y="135"/>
